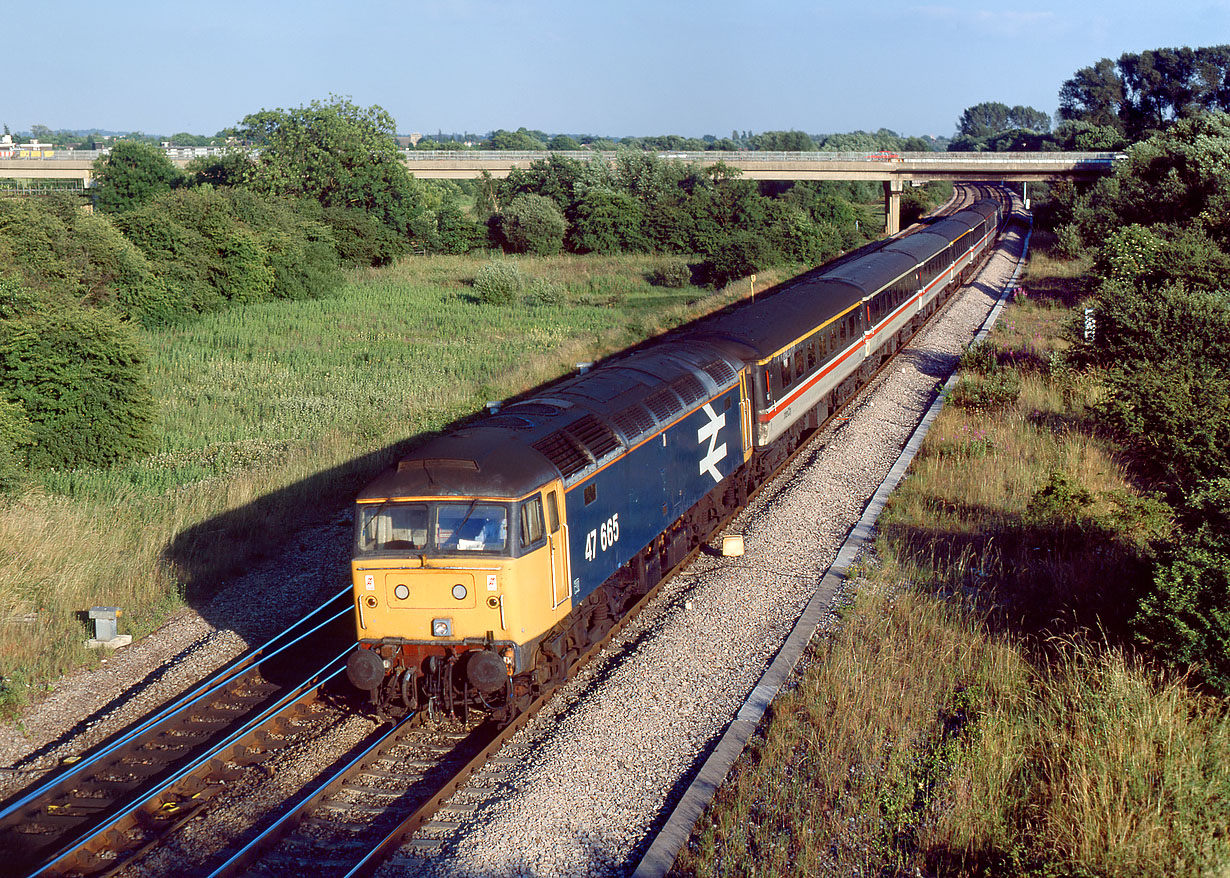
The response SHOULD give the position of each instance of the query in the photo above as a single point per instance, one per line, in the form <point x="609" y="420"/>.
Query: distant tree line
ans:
<point x="325" y="188"/>
<point x="1108" y="105"/>
<point x="643" y="203"/>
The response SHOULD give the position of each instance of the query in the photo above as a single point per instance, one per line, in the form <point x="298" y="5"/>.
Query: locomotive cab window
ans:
<point x="471" y="527"/>
<point x="392" y="527"/>
<point x="428" y="528"/>
<point x="532" y="528"/>
<point x="552" y="512"/>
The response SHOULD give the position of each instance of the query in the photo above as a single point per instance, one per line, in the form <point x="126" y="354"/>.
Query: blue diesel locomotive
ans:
<point x="491" y="558"/>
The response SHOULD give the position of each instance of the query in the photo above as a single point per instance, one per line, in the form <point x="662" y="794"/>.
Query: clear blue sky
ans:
<point x="624" y="67"/>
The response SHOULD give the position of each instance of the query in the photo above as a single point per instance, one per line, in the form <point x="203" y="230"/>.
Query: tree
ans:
<point x="132" y="174"/>
<point x="563" y="142"/>
<point x="521" y="140"/>
<point x="1094" y="94"/>
<point x="983" y="119"/>
<point x="1149" y="91"/>
<point x="533" y="224"/>
<point x="338" y="153"/>
<point x="605" y="221"/>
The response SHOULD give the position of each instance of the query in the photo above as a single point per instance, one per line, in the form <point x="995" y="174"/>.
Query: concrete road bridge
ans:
<point x="893" y="170"/>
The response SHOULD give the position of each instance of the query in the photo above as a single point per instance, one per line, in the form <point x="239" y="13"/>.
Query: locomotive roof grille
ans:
<point x="594" y="435"/>
<point x="690" y="389"/>
<point x="664" y="404"/>
<point x="512" y="422"/>
<point x="634" y="421"/>
<point x="563" y="451"/>
<point x="720" y="371"/>
<point x="535" y="409"/>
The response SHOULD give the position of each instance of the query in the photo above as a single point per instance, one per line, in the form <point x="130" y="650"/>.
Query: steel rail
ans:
<point x="210" y="686"/>
<point x="298" y="694"/>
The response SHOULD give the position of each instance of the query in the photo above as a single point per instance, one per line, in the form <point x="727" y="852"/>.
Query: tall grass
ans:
<point x="271" y="416"/>
<point x="979" y="712"/>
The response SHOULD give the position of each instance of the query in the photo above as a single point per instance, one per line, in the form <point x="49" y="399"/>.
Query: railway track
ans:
<point x="91" y="816"/>
<point x="104" y="812"/>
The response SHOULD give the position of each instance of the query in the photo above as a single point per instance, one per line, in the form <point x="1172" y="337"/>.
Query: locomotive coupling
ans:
<point x="366" y="669"/>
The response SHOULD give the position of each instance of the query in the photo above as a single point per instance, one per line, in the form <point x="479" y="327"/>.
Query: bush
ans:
<point x="16" y="437"/>
<point x="130" y="175"/>
<point x="981" y="357"/>
<point x="499" y="283"/>
<point x="674" y="275"/>
<point x="1185" y="616"/>
<point x="456" y="232"/>
<point x="80" y="376"/>
<point x="1060" y="501"/>
<point x="543" y="291"/>
<point x="532" y="224"/>
<point x="734" y="255"/>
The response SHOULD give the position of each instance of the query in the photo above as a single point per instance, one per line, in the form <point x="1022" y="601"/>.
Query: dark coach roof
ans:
<point x="781" y="318"/>
<point x="874" y="272"/>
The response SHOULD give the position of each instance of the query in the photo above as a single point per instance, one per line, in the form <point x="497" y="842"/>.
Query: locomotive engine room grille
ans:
<point x="594" y="435"/>
<point x="664" y="404"/>
<point x="563" y="452"/>
<point x="689" y="389"/>
<point x="634" y="421"/>
<point x="721" y="372"/>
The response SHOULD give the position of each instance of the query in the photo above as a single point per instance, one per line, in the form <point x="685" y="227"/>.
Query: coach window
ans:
<point x="532" y="530"/>
<point x="785" y="370"/>
<point x="798" y="363"/>
<point x="812" y="355"/>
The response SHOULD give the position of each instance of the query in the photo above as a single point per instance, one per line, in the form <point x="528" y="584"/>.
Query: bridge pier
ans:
<point x="892" y="206"/>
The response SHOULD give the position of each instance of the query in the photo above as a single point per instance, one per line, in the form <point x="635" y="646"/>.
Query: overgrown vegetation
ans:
<point x="986" y="708"/>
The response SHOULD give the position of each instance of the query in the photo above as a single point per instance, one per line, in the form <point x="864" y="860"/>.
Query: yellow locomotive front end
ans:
<point x="454" y="594"/>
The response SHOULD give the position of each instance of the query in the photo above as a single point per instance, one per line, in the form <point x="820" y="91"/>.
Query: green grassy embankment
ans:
<point x="271" y="416"/>
<point x="980" y="711"/>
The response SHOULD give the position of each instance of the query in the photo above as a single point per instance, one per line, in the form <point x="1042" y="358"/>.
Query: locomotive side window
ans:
<point x="552" y="512"/>
<point x="591" y="493"/>
<point x="532" y="530"/>
<point x="471" y="527"/>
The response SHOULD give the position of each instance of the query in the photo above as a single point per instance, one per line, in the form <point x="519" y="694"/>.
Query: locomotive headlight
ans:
<point x="441" y="627"/>
<point x="401" y="592"/>
<point x="459" y="592"/>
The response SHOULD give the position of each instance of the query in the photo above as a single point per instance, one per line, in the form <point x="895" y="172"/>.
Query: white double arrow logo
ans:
<point x="716" y="453"/>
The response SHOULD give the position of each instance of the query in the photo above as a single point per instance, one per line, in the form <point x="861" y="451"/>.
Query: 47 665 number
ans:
<point x="603" y="537"/>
